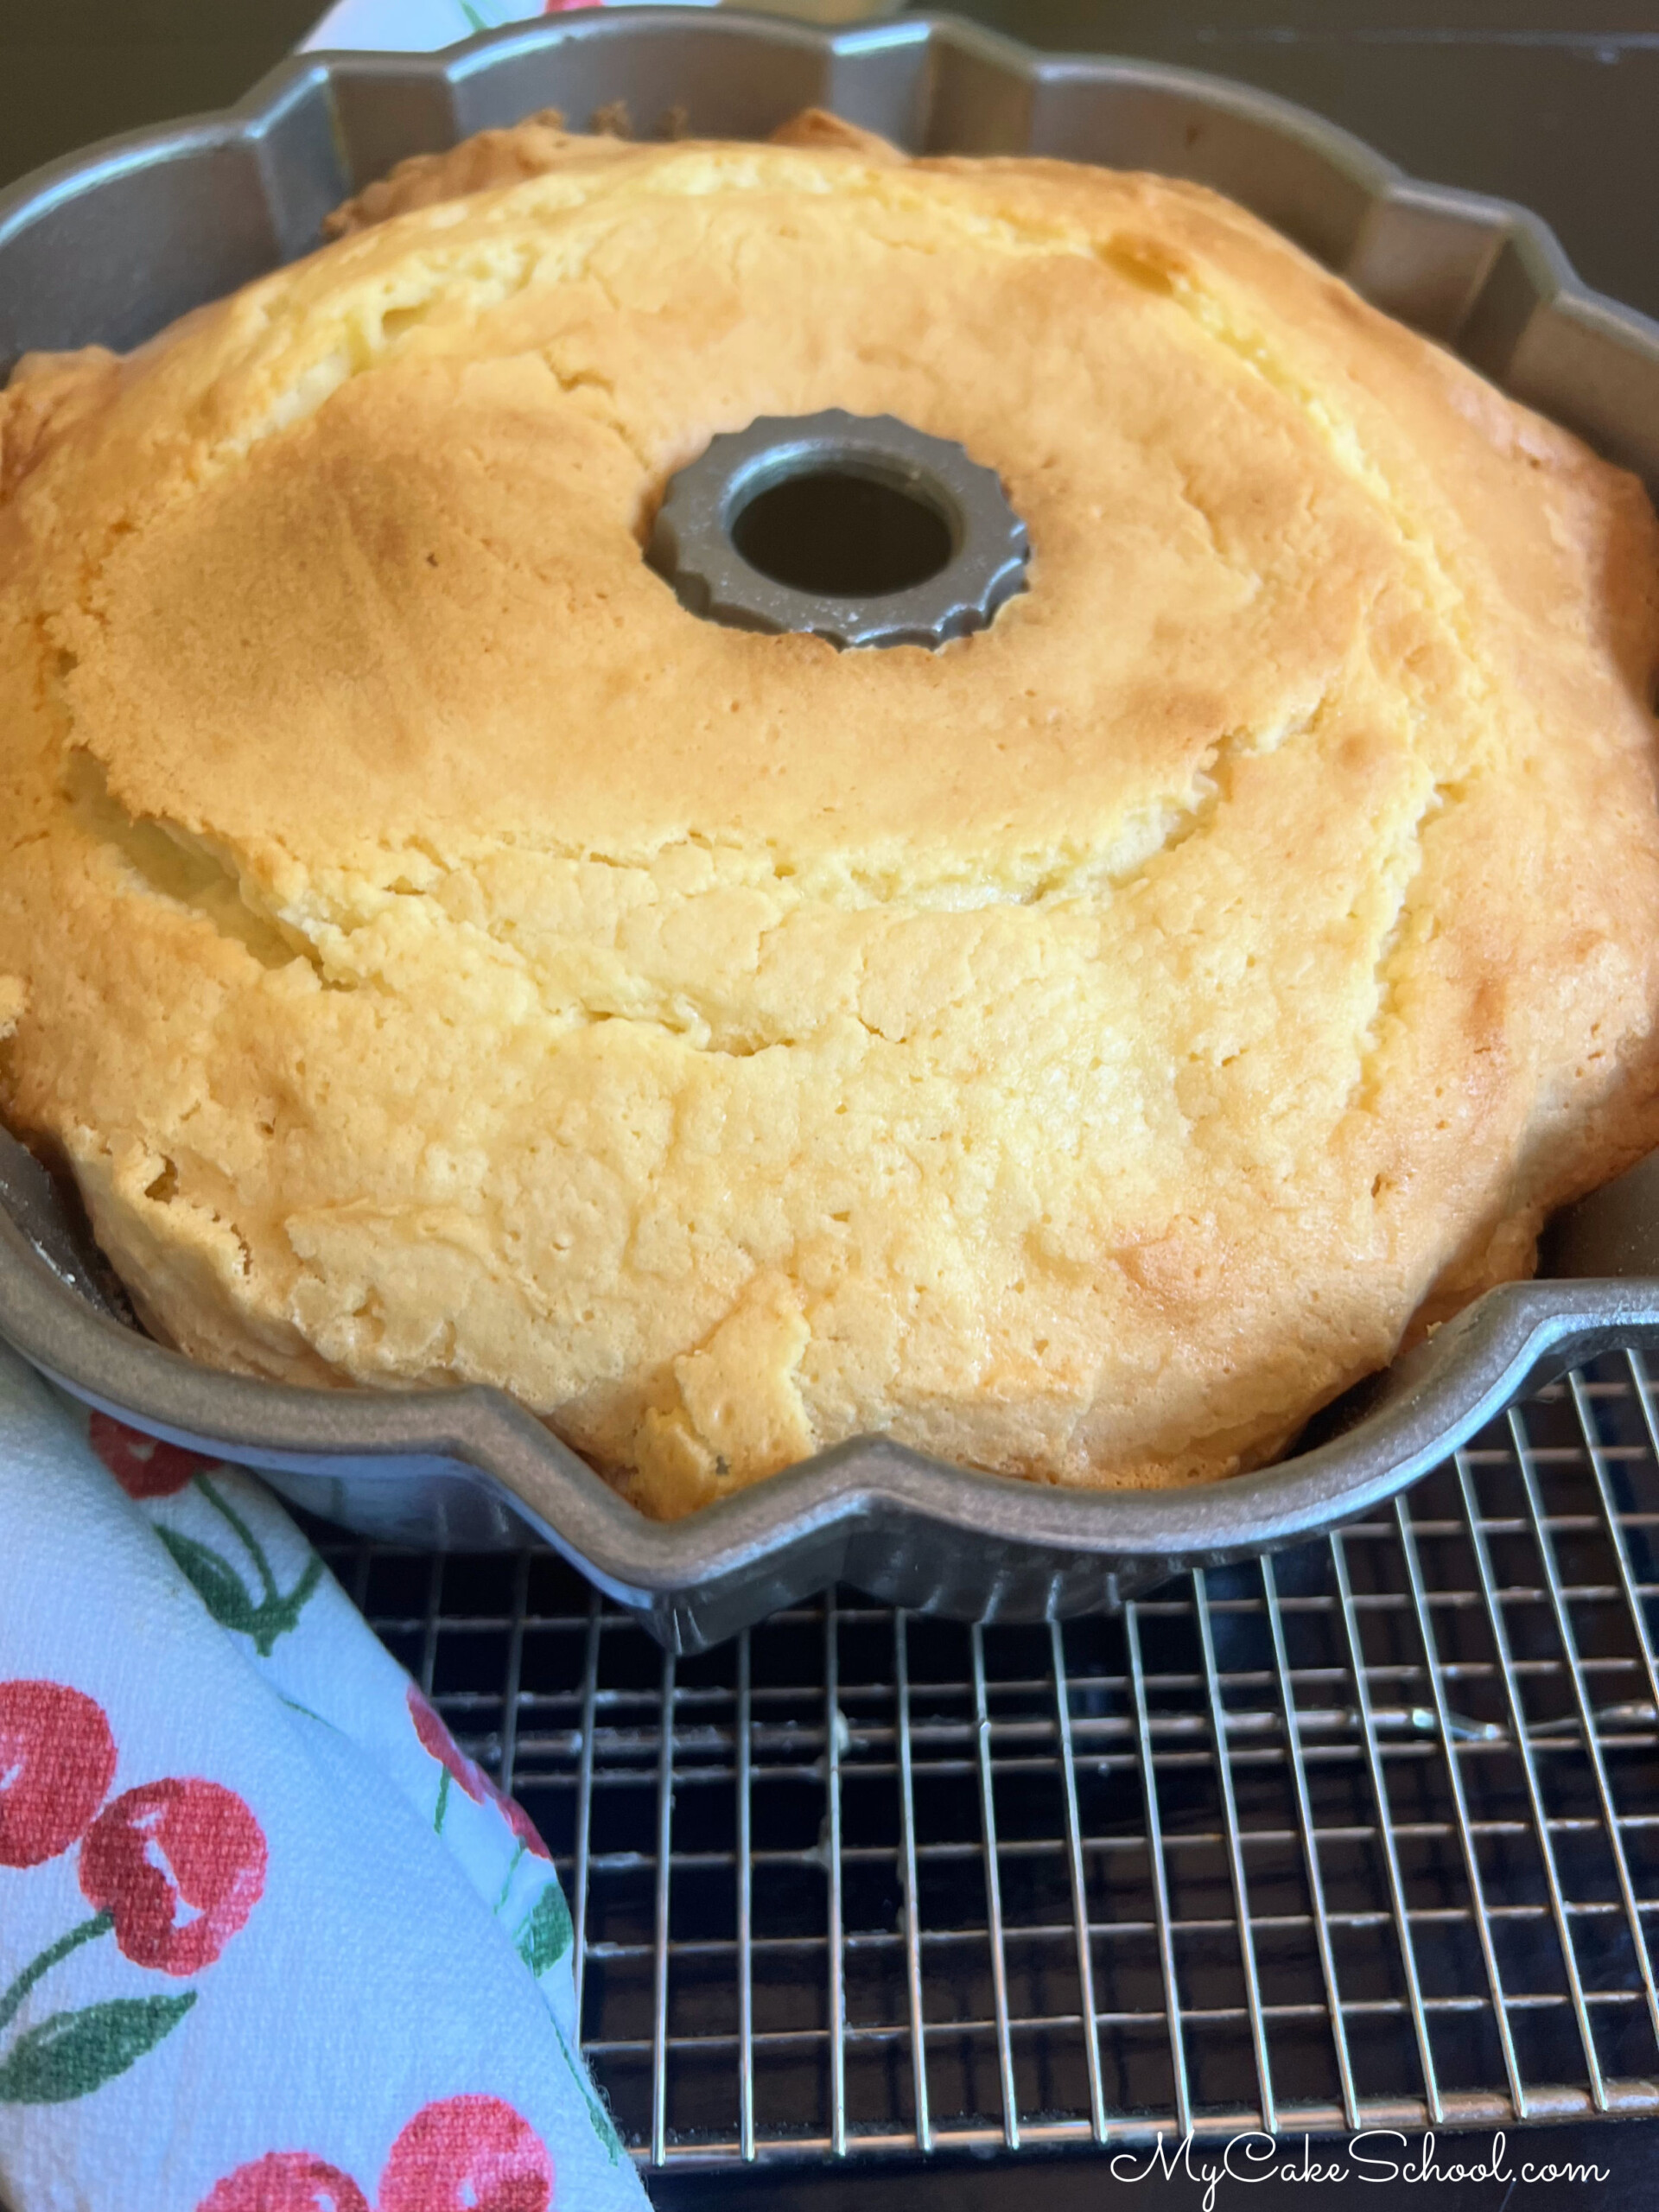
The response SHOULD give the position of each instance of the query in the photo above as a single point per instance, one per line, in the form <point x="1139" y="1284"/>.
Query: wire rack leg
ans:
<point x="993" y="1899"/>
<point x="1160" y="1874"/>
<point x="1460" y="1804"/>
<point x="1235" y="1855"/>
<point x="1633" y="1605"/>
<point x="913" y="1901"/>
<point x="665" y="1873"/>
<point x="745" y="1907"/>
<point x="1397" y="1905"/>
<point x="584" y="1805"/>
<point x="1310" y="1844"/>
<point x="1564" y="1629"/>
<point x="833" y="1726"/>
<point x="1079" y="1887"/>
<point x="512" y="1685"/>
<point x="1530" y="1771"/>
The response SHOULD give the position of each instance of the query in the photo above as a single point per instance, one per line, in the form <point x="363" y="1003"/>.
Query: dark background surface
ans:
<point x="1554" y="103"/>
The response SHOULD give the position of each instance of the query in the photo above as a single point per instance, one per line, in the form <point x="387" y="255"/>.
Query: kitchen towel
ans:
<point x="270" y="1940"/>
<point x="418" y="26"/>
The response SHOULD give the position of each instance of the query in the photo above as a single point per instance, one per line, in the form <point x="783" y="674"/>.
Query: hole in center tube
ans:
<point x="842" y="534"/>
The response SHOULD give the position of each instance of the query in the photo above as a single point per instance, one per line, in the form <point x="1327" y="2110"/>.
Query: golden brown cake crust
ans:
<point x="1080" y="1052"/>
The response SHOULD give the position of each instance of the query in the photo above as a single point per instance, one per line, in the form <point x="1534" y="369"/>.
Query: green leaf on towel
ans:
<point x="74" y="2052"/>
<point x="545" y="1937"/>
<point x="219" y="1586"/>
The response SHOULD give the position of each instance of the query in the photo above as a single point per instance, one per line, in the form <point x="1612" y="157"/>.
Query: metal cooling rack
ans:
<point x="1364" y="1836"/>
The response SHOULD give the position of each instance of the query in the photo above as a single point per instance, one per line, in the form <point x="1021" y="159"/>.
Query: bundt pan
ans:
<point x="113" y="243"/>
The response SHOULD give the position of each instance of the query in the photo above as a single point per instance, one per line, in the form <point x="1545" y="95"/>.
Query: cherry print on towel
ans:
<point x="462" y="2154"/>
<point x="521" y="1824"/>
<point x="172" y="1869"/>
<point x="178" y="1866"/>
<point x="147" y="1470"/>
<point x="57" y="1758"/>
<point x="143" y="1465"/>
<point x="286" y="2180"/>
<point x="468" y="2154"/>
<point x="436" y="1740"/>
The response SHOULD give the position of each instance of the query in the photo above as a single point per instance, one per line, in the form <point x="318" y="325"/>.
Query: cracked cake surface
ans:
<point x="1079" y="1051"/>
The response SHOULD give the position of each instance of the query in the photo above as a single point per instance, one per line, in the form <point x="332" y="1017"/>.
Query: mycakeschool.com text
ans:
<point x="1217" y="2169"/>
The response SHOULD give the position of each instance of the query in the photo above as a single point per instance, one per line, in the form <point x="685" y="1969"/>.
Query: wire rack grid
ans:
<point x="1364" y="1836"/>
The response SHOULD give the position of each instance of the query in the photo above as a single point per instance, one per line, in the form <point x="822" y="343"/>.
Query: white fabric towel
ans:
<point x="269" y="1941"/>
<point x="418" y="26"/>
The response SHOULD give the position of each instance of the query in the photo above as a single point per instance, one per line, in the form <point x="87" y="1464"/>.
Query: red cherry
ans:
<point x="57" y="1758"/>
<point x="143" y="1465"/>
<point x="285" y="2181"/>
<point x="179" y="1866"/>
<point x="520" y="1822"/>
<point x="468" y="2154"/>
<point x="436" y="1739"/>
